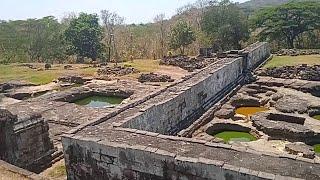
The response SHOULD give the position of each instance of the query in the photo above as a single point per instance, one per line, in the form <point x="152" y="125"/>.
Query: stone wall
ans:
<point x="181" y="109"/>
<point x="257" y="53"/>
<point x="103" y="150"/>
<point x="25" y="141"/>
<point x="190" y="102"/>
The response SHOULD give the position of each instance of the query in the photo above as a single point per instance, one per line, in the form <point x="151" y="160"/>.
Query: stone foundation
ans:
<point x="25" y="141"/>
<point x="131" y="144"/>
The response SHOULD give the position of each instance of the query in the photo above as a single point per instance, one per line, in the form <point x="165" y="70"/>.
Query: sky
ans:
<point x="134" y="11"/>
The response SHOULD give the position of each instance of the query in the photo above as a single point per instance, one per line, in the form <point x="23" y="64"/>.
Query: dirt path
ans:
<point x="174" y="72"/>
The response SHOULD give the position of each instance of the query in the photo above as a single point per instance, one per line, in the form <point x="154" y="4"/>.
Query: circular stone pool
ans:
<point x="99" y="101"/>
<point x="235" y="136"/>
<point x="248" y="111"/>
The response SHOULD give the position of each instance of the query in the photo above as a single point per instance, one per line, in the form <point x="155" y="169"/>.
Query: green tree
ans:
<point x="181" y="36"/>
<point x="85" y="35"/>
<point x="287" y="22"/>
<point x="225" y="24"/>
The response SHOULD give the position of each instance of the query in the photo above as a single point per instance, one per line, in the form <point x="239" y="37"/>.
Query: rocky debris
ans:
<point x="256" y="89"/>
<point x="74" y="79"/>
<point x="13" y="84"/>
<point x="304" y="72"/>
<point x="47" y="66"/>
<point x="297" y="52"/>
<point x="152" y="77"/>
<point x="276" y="96"/>
<point x="312" y="87"/>
<point x="67" y="67"/>
<point x="31" y="66"/>
<point x="226" y="112"/>
<point x="291" y="104"/>
<point x="117" y="71"/>
<point x="300" y="148"/>
<point x="187" y="63"/>
<point x="241" y="100"/>
<point x="280" y="129"/>
<point x="239" y="117"/>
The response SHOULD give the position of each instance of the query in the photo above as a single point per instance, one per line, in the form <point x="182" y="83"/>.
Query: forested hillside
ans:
<point x="263" y="3"/>
<point x="104" y="36"/>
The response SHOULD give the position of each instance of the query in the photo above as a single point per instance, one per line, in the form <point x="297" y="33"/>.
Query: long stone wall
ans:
<point x="131" y="144"/>
<point x="180" y="108"/>
<point x="190" y="101"/>
<point x="25" y="141"/>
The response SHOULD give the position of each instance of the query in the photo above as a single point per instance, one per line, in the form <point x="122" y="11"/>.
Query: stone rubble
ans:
<point x="152" y="77"/>
<point x="116" y="70"/>
<point x="187" y="63"/>
<point x="304" y="72"/>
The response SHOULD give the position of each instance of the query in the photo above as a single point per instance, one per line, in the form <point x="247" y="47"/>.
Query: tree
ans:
<point x="225" y="24"/>
<point x="160" y="21"/>
<point x="287" y="22"/>
<point x="110" y="21"/>
<point x="84" y="35"/>
<point x="181" y="36"/>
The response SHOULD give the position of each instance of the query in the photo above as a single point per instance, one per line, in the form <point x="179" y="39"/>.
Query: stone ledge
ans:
<point x="20" y="171"/>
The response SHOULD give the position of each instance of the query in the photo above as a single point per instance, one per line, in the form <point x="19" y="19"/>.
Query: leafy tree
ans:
<point x="84" y="35"/>
<point x="181" y="36"/>
<point x="32" y="40"/>
<point x="225" y="24"/>
<point x="287" y="22"/>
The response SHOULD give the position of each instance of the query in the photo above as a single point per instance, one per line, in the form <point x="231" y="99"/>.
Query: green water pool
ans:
<point x="229" y="136"/>
<point x="317" y="148"/>
<point x="100" y="101"/>
<point x="317" y="117"/>
<point x="248" y="111"/>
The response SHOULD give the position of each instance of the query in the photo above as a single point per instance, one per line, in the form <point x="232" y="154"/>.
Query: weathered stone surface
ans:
<point x="225" y="112"/>
<point x="291" y="104"/>
<point x="73" y="79"/>
<point x="297" y="148"/>
<point x="13" y="84"/>
<point x="276" y="96"/>
<point x="116" y="70"/>
<point x="305" y="72"/>
<point x="280" y="126"/>
<point x="187" y="63"/>
<point x="296" y="52"/>
<point x="245" y="101"/>
<point x="25" y="141"/>
<point x="152" y="77"/>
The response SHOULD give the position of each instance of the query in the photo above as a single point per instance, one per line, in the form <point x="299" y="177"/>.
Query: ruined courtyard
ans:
<point x="222" y="118"/>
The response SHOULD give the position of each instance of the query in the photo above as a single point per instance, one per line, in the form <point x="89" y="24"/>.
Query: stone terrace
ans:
<point x="132" y="144"/>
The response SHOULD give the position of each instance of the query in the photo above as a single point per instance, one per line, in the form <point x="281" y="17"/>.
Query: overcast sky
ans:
<point x="134" y="11"/>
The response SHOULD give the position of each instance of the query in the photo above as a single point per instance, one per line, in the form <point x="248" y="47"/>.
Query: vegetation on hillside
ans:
<point x="222" y="25"/>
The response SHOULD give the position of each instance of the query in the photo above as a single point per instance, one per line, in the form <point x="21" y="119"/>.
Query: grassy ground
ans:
<point x="17" y="72"/>
<point x="144" y="65"/>
<point x="279" y="61"/>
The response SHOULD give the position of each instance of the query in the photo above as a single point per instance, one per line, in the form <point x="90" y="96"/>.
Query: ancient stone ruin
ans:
<point x="170" y="131"/>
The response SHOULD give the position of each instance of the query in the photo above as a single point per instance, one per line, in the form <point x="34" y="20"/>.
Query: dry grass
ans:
<point x="144" y="65"/>
<point x="279" y="61"/>
<point x="6" y="175"/>
<point x="17" y="72"/>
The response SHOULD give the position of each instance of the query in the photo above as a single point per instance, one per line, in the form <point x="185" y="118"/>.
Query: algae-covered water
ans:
<point x="249" y="111"/>
<point x="229" y="136"/>
<point x="317" y="148"/>
<point x="100" y="101"/>
<point x="317" y="117"/>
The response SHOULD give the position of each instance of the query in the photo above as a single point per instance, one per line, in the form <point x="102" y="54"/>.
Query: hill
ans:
<point x="254" y="4"/>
